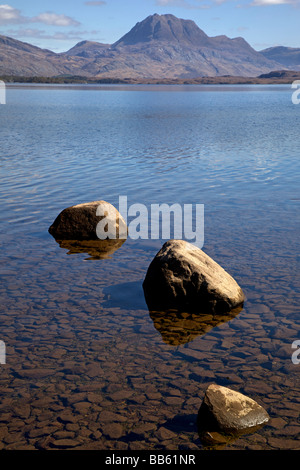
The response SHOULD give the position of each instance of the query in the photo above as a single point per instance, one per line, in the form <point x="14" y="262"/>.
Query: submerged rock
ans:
<point x="88" y="221"/>
<point x="230" y="412"/>
<point x="184" y="277"/>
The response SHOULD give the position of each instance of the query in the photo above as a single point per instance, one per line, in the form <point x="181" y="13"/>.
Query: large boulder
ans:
<point x="87" y="222"/>
<point x="230" y="412"/>
<point x="182" y="276"/>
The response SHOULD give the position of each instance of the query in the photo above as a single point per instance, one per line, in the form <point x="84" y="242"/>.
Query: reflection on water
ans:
<point x="212" y="439"/>
<point x="178" y="327"/>
<point x="96" y="249"/>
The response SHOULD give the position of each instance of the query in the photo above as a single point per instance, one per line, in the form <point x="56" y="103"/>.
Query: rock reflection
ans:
<point x="178" y="327"/>
<point x="212" y="440"/>
<point x="96" y="249"/>
<point x="215" y="440"/>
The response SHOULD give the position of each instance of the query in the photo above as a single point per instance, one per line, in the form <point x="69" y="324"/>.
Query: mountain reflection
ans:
<point x="178" y="328"/>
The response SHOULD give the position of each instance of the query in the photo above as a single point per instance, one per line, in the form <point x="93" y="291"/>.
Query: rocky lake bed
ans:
<point x="84" y="373"/>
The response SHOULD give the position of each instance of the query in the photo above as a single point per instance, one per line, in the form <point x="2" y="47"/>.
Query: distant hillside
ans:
<point x="287" y="56"/>
<point x="159" y="47"/>
<point x="19" y="58"/>
<point x="87" y="49"/>
<point x="287" y="76"/>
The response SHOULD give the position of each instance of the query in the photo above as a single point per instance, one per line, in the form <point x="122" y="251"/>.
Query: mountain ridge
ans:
<point x="288" y="56"/>
<point x="158" y="47"/>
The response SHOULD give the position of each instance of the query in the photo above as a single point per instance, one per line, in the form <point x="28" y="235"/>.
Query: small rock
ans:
<point x="67" y="417"/>
<point x="65" y="443"/>
<point x="228" y="411"/>
<point x="112" y="430"/>
<point x="165" y="434"/>
<point x="284" y="444"/>
<point x="277" y="423"/>
<point x="108" y="416"/>
<point x="142" y="431"/>
<point x="80" y="222"/>
<point x="36" y="373"/>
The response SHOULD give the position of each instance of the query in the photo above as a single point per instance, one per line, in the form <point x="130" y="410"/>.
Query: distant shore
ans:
<point x="276" y="77"/>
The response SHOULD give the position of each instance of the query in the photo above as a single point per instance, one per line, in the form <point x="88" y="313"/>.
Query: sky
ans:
<point x="59" y="25"/>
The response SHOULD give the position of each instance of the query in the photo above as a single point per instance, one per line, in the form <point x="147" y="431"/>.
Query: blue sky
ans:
<point x="58" y="25"/>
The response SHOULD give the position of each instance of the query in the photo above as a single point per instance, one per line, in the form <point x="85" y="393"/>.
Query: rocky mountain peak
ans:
<point x="164" y="28"/>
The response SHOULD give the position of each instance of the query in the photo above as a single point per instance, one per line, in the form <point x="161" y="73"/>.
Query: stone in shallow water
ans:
<point x="184" y="277"/>
<point x="80" y="222"/>
<point x="225" y="410"/>
<point x="112" y="430"/>
<point x="65" y="443"/>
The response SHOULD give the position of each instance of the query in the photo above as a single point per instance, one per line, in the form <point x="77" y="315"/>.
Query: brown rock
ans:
<point x="80" y="222"/>
<point x="67" y="417"/>
<point x="277" y="423"/>
<point x="121" y="395"/>
<point x="173" y="401"/>
<point x="228" y="411"/>
<point x="284" y="444"/>
<point x="106" y="415"/>
<point x="65" y="443"/>
<point x="165" y="434"/>
<point x="143" y="430"/>
<point x="35" y="373"/>
<point x="22" y="411"/>
<point x="183" y="276"/>
<point x="112" y="430"/>
<point x="82" y="407"/>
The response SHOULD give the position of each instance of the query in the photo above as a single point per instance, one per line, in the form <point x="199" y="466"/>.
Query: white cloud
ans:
<point x="95" y="4"/>
<point x="11" y="15"/>
<point x="259" y="3"/>
<point x="42" y="34"/>
<point x="55" y="19"/>
<point x="182" y="4"/>
<point x="198" y="4"/>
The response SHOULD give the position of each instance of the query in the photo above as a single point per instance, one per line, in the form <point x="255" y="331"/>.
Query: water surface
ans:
<point x="87" y="365"/>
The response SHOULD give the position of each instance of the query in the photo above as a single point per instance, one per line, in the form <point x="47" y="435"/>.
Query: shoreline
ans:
<point x="273" y="78"/>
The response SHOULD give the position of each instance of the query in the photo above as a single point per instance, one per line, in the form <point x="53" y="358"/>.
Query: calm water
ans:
<point x="86" y="365"/>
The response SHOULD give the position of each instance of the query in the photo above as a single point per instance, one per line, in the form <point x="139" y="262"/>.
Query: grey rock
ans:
<point x="182" y="276"/>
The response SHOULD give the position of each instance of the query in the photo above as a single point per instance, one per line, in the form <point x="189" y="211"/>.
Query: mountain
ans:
<point x="163" y="46"/>
<point x="287" y="56"/>
<point x="22" y="59"/>
<point x="164" y="28"/>
<point x="160" y="46"/>
<point x="87" y="49"/>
